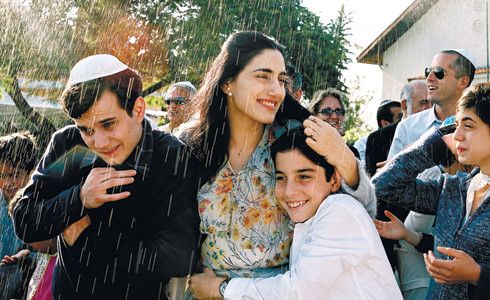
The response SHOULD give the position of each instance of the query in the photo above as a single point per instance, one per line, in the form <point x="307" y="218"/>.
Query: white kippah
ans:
<point x="466" y="54"/>
<point x="93" y="67"/>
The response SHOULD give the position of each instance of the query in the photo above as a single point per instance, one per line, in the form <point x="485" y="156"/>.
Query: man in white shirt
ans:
<point x="450" y="72"/>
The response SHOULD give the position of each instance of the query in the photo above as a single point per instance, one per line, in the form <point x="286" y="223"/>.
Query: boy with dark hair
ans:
<point x="18" y="156"/>
<point x="118" y="195"/>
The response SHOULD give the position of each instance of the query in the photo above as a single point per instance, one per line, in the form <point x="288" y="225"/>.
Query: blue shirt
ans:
<point x="9" y="243"/>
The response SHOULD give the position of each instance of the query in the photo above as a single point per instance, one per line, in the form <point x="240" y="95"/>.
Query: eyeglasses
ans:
<point x="176" y="100"/>
<point x="438" y="71"/>
<point x="329" y="112"/>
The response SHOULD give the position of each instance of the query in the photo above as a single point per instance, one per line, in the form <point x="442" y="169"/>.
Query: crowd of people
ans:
<point x="245" y="193"/>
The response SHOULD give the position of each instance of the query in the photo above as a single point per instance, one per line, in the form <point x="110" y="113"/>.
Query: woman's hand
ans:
<point x="327" y="142"/>
<point x="392" y="230"/>
<point x="206" y="285"/>
<point x="462" y="268"/>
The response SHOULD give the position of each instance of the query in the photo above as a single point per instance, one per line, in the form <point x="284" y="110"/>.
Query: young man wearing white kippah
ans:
<point x="118" y="195"/>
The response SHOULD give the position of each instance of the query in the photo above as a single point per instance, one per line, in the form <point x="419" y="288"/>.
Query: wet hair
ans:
<point x="462" y="66"/>
<point x="127" y="85"/>
<point x="329" y="92"/>
<point x="19" y="150"/>
<point x="210" y="136"/>
<point x="296" y="140"/>
<point x="384" y="111"/>
<point x="477" y="98"/>
<point x="296" y="79"/>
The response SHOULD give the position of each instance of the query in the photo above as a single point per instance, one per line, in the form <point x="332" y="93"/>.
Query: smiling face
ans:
<point x="470" y="136"/>
<point x="174" y="110"/>
<point x="259" y="89"/>
<point x="109" y="131"/>
<point x="337" y="121"/>
<point x="301" y="185"/>
<point x="447" y="89"/>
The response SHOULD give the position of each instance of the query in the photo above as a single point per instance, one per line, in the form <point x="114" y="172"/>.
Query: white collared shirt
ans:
<point x="412" y="128"/>
<point x="336" y="254"/>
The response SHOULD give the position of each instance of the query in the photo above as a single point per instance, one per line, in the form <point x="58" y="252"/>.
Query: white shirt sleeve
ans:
<point x="365" y="192"/>
<point x="337" y="241"/>
<point x="399" y="140"/>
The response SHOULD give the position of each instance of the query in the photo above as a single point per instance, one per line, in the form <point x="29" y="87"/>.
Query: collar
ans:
<point x="431" y="119"/>
<point x="139" y="159"/>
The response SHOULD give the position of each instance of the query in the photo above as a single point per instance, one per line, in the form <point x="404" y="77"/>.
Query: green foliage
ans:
<point x="165" y="40"/>
<point x="354" y="125"/>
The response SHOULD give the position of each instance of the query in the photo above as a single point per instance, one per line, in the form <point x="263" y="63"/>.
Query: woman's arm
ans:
<point x="326" y="141"/>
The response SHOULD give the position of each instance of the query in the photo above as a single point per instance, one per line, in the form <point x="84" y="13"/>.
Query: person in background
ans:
<point x="413" y="98"/>
<point x="449" y="74"/>
<point x="336" y="251"/>
<point x="18" y="157"/>
<point x="295" y="83"/>
<point x="176" y="99"/>
<point x="329" y="106"/>
<point x="460" y="260"/>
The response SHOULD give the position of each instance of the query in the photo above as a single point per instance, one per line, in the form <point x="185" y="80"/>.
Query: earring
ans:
<point x="229" y="93"/>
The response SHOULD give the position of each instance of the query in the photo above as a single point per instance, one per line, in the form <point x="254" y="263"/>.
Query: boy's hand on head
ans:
<point x="94" y="191"/>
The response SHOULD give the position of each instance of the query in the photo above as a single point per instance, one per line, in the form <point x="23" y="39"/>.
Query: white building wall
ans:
<point x="448" y="24"/>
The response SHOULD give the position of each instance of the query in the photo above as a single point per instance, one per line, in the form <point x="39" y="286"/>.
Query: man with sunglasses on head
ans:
<point x="178" y="94"/>
<point x="328" y="105"/>
<point x="450" y="72"/>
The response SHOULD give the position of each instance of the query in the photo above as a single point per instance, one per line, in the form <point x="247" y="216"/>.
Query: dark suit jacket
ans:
<point x="377" y="147"/>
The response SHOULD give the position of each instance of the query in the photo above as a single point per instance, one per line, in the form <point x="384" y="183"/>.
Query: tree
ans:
<point x="165" y="40"/>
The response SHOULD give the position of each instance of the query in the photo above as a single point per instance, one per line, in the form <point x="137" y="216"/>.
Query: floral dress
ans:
<point x="247" y="231"/>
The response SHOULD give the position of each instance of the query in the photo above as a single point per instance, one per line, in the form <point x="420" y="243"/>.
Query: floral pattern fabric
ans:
<point x="246" y="228"/>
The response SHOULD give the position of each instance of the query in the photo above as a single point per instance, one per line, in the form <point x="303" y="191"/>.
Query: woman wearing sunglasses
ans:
<point x="242" y="100"/>
<point x="328" y="106"/>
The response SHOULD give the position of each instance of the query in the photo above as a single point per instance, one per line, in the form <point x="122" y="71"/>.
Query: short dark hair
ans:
<point x="19" y="150"/>
<point x="462" y="66"/>
<point x="329" y="92"/>
<point x="296" y="139"/>
<point x="478" y="99"/>
<point x="127" y="85"/>
<point x="295" y="76"/>
<point x="384" y="111"/>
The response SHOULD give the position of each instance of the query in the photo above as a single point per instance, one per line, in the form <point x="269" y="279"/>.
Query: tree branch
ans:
<point x="44" y="126"/>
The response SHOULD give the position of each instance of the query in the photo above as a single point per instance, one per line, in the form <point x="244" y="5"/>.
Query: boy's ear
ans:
<point x="335" y="181"/>
<point x="139" y="109"/>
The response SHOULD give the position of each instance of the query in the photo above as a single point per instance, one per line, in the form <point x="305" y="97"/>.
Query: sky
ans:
<point x="369" y="19"/>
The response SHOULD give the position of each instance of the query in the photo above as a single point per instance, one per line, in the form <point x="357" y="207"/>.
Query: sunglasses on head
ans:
<point x="438" y="72"/>
<point x="328" y="112"/>
<point x="176" y="100"/>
